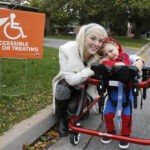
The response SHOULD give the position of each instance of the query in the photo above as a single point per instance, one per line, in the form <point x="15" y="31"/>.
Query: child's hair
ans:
<point x="101" y="51"/>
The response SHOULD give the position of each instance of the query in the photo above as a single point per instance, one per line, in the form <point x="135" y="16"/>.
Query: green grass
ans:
<point x="33" y="91"/>
<point x="131" y="42"/>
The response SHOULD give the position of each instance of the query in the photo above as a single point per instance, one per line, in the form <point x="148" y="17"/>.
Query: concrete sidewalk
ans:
<point x="27" y="131"/>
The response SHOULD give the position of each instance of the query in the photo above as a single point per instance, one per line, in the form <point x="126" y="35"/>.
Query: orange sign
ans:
<point x="21" y="34"/>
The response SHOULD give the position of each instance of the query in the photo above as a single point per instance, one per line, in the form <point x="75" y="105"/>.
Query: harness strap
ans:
<point x="119" y="105"/>
<point x="125" y="104"/>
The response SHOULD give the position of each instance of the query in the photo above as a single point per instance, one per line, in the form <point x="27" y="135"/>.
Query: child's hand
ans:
<point x="103" y="59"/>
<point x="119" y="64"/>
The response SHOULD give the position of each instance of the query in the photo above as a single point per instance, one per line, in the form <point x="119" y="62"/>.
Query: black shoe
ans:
<point x="123" y="145"/>
<point x="63" y="128"/>
<point x="106" y="140"/>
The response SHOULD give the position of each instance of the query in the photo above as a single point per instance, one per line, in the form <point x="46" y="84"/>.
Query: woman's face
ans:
<point x="111" y="51"/>
<point x="93" y="41"/>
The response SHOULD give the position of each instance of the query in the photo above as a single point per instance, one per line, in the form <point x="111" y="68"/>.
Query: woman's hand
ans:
<point x="139" y="64"/>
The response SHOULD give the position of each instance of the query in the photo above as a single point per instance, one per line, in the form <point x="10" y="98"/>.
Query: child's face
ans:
<point x="111" y="51"/>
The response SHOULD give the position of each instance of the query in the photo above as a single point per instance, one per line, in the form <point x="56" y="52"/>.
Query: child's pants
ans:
<point x="110" y="110"/>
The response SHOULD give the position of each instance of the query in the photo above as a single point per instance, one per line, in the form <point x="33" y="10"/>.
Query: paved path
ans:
<point x="53" y="42"/>
<point x="57" y="42"/>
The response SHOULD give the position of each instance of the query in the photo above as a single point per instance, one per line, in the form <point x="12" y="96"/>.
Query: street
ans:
<point x="140" y="128"/>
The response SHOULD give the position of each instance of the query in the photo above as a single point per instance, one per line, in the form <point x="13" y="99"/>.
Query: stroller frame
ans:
<point x="74" y="125"/>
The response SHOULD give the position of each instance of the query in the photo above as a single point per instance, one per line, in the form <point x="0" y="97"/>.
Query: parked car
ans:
<point x="146" y="35"/>
<point x="72" y="33"/>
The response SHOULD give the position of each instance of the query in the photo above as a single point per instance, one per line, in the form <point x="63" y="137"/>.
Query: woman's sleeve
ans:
<point x="73" y="78"/>
<point x="137" y="61"/>
<point x="134" y="58"/>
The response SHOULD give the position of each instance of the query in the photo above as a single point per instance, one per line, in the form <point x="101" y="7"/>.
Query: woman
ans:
<point x="75" y="58"/>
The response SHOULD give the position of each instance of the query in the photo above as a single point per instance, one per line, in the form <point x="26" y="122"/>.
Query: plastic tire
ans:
<point x="74" y="138"/>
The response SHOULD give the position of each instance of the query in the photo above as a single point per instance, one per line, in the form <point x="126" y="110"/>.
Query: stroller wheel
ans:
<point x="74" y="138"/>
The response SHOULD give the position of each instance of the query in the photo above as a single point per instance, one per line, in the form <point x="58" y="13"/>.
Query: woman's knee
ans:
<point x="63" y="91"/>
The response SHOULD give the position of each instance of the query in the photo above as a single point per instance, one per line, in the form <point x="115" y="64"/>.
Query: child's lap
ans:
<point x="110" y="108"/>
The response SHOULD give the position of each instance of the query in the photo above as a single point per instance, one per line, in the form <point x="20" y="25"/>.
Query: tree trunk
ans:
<point x="138" y="30"/>
<point x="47" y="25"/>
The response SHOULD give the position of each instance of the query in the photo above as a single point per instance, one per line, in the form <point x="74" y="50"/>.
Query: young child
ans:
<point x="113" y="55"/>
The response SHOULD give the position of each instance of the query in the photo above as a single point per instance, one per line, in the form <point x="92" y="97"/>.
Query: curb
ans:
<point x="28" y="130"/>
<point x="133" y="48"/>
<point x="143" y="49"/>
<point x="144" y="52"/>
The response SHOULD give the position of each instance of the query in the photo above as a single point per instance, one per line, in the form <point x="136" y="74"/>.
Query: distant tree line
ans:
<point x="113" y="14"/>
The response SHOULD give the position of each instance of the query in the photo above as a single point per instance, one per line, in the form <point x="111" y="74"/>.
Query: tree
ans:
<point x="137" y="12"/>
<point x="140" y="16"/>
<point x="111" y="13"/>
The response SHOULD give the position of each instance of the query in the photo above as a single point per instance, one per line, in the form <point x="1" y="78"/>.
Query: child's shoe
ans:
<point x="123" y="145"/>
<point x="106" y="140"/>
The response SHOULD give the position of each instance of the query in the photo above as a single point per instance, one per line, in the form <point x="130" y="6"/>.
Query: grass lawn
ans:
<point x="31" y="88"/>
<point x="130" y="42"/>
<point x="29" y="81"/>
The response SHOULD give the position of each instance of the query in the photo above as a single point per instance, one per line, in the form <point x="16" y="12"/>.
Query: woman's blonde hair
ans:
<point x="83" y="32"/>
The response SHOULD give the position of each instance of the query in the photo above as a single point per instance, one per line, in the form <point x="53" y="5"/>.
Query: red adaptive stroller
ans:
<point x="102" y="78"/>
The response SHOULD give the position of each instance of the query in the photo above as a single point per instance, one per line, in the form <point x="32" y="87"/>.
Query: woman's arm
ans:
<point x="72" y="77"/>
